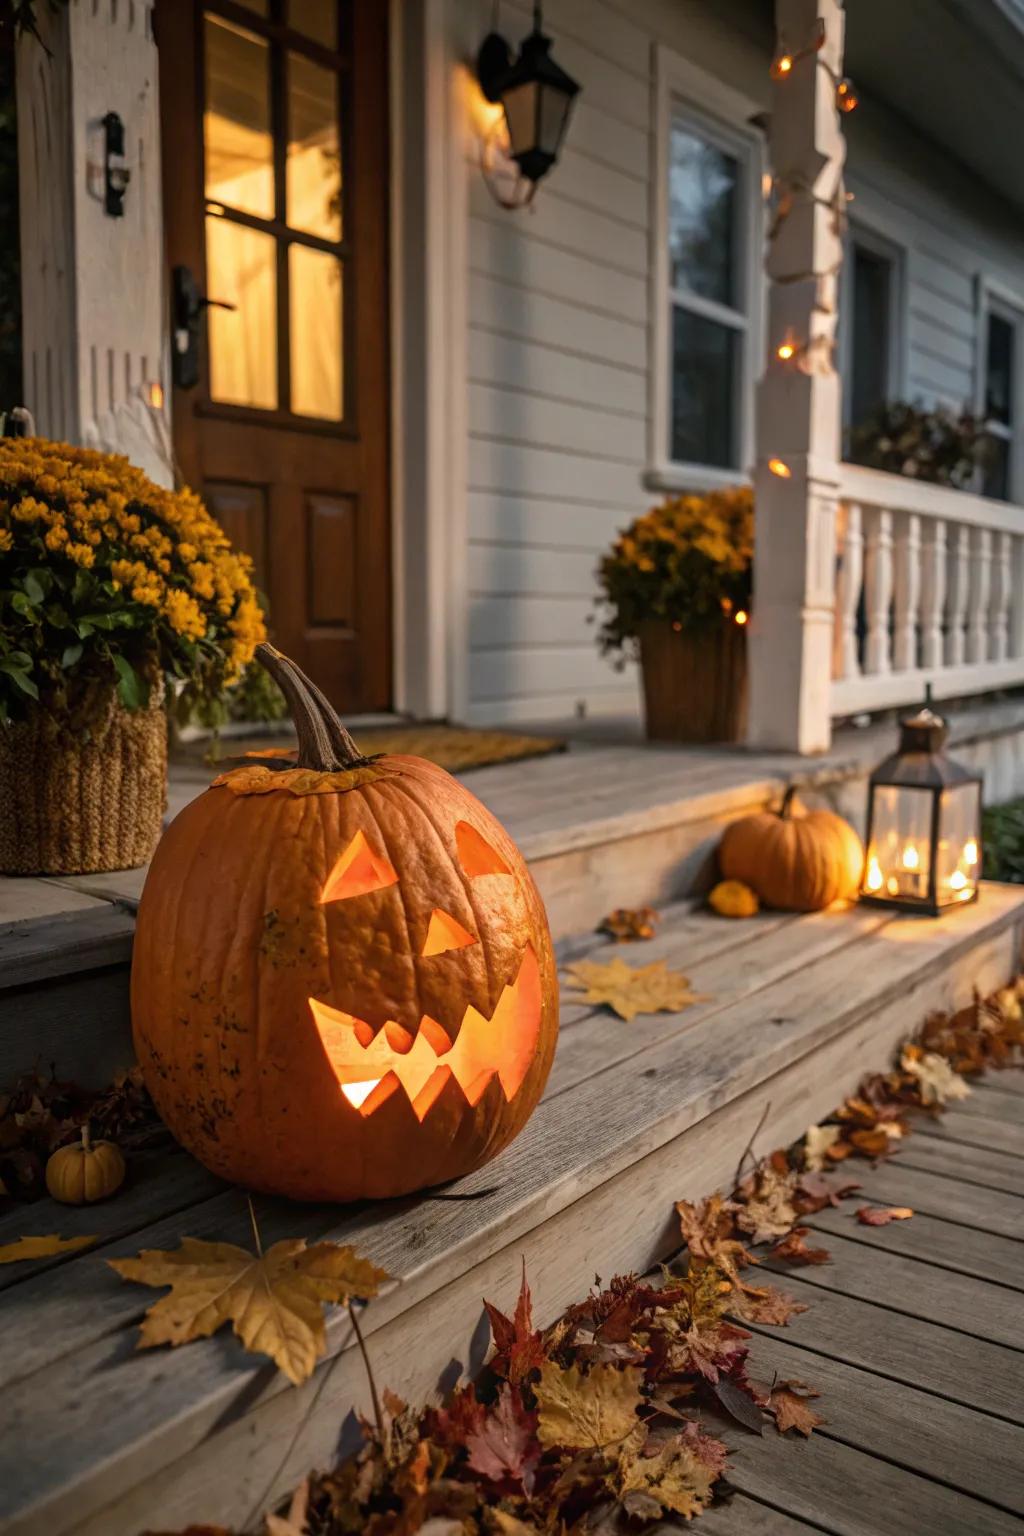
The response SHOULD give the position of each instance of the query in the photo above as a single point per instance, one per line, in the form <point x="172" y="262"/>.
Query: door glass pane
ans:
<point x="315" y="292"/>
<point x="704" y="364"/>
<point x="872" y="307"/>
<point x="236" y="122"/>
<point x="317" y="19"/>
<point x="999" y="371"/>
<point x="703" y="183"/>
<point x="241" y="268"/>
<point x="314" y="151"/>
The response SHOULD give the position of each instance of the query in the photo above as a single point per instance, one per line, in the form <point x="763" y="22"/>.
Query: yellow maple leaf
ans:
<point x="668" y="1479"/>
<point x="274" y="1300"/>
<point x="41" y="1247"/>
<point x="594" y="1409"/>
<point x="630" y="990"/>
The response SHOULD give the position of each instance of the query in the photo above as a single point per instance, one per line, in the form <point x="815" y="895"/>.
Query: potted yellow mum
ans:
<point x="676" y="595"/>
<point x="111" y="588"/>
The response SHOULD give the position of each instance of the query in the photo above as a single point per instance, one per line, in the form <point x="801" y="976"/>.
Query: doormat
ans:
<point x="454" y="747"/>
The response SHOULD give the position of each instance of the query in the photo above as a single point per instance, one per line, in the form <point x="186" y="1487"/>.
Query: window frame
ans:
<point x="995" y="299"/>
<point x="862" y="232"/>
<point x="724" y="115"/>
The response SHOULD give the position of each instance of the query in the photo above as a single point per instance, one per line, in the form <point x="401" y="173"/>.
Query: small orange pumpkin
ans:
<point x="343" y="984"/>
<point x="85" y="1171"/>
<point x="797" y="860"/>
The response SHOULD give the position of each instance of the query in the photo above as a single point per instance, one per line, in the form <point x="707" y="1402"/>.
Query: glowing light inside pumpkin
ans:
<point x="359" y="870"/>
<point x="476" y="855"/>
<point x="370" y="1066"/>
<point x="444" y="933"/>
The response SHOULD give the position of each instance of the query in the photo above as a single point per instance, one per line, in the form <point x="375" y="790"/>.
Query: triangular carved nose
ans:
<point x="444" y="933"/>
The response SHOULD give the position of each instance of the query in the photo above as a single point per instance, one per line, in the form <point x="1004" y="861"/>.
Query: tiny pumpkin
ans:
<point x="85" y="1171"/>
<point x="794" y="859"/>
<point x="731" y="898"/>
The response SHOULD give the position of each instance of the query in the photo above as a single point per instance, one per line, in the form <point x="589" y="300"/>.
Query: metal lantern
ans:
<point x="924" y="824"/>
<point x="535" y="93"/>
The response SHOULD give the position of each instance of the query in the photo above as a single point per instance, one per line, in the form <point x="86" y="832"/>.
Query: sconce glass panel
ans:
<point x="898" y="863"/>
<point x="959" y="852"/>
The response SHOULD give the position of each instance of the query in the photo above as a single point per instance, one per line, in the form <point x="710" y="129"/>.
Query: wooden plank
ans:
<point x="23" y="898"/>
<point x="924" y="1433"/>
<point x="79" y="1025"/>
<point x="977" y="1166"/>
<point x="616" y="1140"/>
<point x="1006" y="1080"/>
<point x="741" y="1516"/>
<point x="79" y="940"/>
<point x="945" y="1196"/>
<point x="981" y="1130"/>
<point x="123" y="886"/>
<point x="917" y="1289"/>
<point x="985" y="1255"/>
<point x="1005" y="1107"/>
<point x="852" y="1494"/>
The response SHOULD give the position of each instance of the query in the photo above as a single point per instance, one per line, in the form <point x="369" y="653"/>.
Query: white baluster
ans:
<point x="1016" y="645"/>
<point x="1000" y="607"/>
<point x="979" y="587"/>
<point x="956" y="594"/>
<point x="878" y="589"/>
<point x="933" y="591"/>
<point x="907" y="592"/>
<point x="848" y="589"/>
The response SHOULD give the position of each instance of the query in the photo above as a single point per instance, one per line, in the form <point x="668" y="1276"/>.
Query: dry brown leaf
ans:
<point x="628" y="924"/>
<point x="793" y="1249"/>
<point x="818" y="1142"/>
<point x="274" y="1300"/>
<point x="591" y="1409"/>
<point x="768" y="1211"/>
<point x="789" y="1407"/>
<point x="630" y="990"/>
<point x="659" y="1480"/>
<point x="938" y="1082"/>
<point x="42" y="1247"/>
<point x="881" y="1215"/>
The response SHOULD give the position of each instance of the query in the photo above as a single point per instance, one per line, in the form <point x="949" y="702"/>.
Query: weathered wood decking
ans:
<point x="98" y="1440"/>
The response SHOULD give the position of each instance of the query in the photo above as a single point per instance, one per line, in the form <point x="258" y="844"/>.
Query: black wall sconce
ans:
<point x="116" y="174"/>
<point x="536" y="96"/>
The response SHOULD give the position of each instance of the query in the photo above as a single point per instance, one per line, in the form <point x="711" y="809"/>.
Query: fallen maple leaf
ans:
<point x="793" y="1249"/>
<point x="766" y="1304"/>
<point x="518" y="1347"/>
<point x="42" y="1247"/>
<point x="504" y="1449"/>
<point x="788" y="1405"/>
<point x="630" y="990"/>
<point x="814" y="1191"/>
<point x="938" y="1082"/>
<point x="661" y="1478"/>
<point x="768" y="1210"/>
<point x="881" y="1215"/>
<point x="274" y="1300"/>
<point x="817" y="1143"/>
<point x="593" y="1409"/>
<point x="628" y="924"/>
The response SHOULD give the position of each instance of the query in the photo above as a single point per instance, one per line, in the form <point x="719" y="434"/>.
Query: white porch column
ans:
<point x="798" y="399"/>
<point x="94" y="312"/>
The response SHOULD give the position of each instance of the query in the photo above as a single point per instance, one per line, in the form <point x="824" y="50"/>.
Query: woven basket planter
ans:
<point x="695" y="683"/>
<point x="75" y="802"/>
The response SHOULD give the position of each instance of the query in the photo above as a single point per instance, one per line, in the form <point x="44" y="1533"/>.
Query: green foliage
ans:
<point x="688" y="560"/>
<point x="1003" y="842"/>
<point x="933" y="445"/>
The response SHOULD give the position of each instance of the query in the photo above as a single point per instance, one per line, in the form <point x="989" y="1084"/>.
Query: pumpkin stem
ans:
<point x="86" y="1137"/>
<point x="787" y="802"/>
<point x="324" y="743"/>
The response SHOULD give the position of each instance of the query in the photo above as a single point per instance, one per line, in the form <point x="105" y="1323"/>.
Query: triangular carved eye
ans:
<point x="358" y="871"/>
<point x="444" y="933"/>
<point x="476" y="855"/>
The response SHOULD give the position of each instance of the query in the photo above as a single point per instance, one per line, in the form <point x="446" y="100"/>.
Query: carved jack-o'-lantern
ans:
<point x="343" y="982"/>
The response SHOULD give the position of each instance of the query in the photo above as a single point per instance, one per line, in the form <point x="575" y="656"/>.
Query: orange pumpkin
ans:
<point x="343" y="983"/>
<point x="794" y="859"/>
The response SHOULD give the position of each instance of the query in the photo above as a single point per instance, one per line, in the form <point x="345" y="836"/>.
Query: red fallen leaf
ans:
<point x="707" y="1448"/>
<point x="788" y="1406"/>
<point x="505" y="1448"/>
<point x="816" y="1190"/>
<point x="881" y="1215"/>
<point x="794" y="1250"/>
<point x="462" y="1416"/>
<point x="518" y="1347"/>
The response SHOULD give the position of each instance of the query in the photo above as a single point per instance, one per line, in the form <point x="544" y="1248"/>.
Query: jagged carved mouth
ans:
<point x="370" y="1066"/>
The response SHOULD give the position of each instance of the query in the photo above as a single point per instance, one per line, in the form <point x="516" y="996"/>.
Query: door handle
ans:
<point x="187" y="305"/>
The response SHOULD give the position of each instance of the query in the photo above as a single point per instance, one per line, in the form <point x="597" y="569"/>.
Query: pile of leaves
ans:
<point x="40" y="1114"/>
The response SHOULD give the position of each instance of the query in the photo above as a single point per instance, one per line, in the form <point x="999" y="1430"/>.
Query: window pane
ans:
<point x="999" y="371"/>
<point x="315" y="284"/>
<point x="703" y="183"/>
<point x="997" y="468"/>
<point x="704" y="365"/>
<point x="236" y="123"/>
<point x="241" y="268"/>
<point x="872" y="291"/>
<point x="317" y="19"/>
<point x="314" y="151"/>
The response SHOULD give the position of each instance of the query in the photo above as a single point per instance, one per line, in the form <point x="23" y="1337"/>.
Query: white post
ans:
<point x="94" y="313"/>
<point x="796" y="478"/>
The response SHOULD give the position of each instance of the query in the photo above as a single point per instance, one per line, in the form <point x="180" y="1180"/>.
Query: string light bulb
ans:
<point x="740" y="617"/>
<point x="847" y="99"/>
<point x="782" y="64"/>
<point x="780" y="468"/>
<point x="785" y="350"/>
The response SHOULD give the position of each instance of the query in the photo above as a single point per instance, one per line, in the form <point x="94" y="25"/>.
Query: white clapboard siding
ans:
<point x="554" y="374"/>
<point x="520" y="569"/>
<point x="500" y="466"/>
<point x="545" y="523"/>
<point x="498" y="622"/>
<point x="515" y="254"/>
<point x="540" y="669"/>
<point x="523" y="312"/>
<point x="518" y="416"/>
<point x="560" y="219"/>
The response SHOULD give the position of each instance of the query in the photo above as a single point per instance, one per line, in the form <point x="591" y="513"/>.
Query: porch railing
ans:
<point x="929" y="588"/>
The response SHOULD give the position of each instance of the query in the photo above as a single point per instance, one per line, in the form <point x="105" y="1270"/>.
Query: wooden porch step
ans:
<point x="96" y="1438"/>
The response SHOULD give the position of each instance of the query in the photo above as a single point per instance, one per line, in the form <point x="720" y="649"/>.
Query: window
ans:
<point x="705" y="302"/>
<point x="870" y="307"/>
<point x="1002" y="379"/>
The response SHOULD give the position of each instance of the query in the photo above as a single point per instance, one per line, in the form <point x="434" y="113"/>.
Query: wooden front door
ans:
<point x="275" y="173"/>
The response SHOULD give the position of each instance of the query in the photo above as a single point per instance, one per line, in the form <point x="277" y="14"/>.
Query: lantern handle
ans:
<point x="324" y="743"/>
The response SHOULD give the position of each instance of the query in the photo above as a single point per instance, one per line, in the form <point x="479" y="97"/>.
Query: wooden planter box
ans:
<point x="695" y="682"/>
